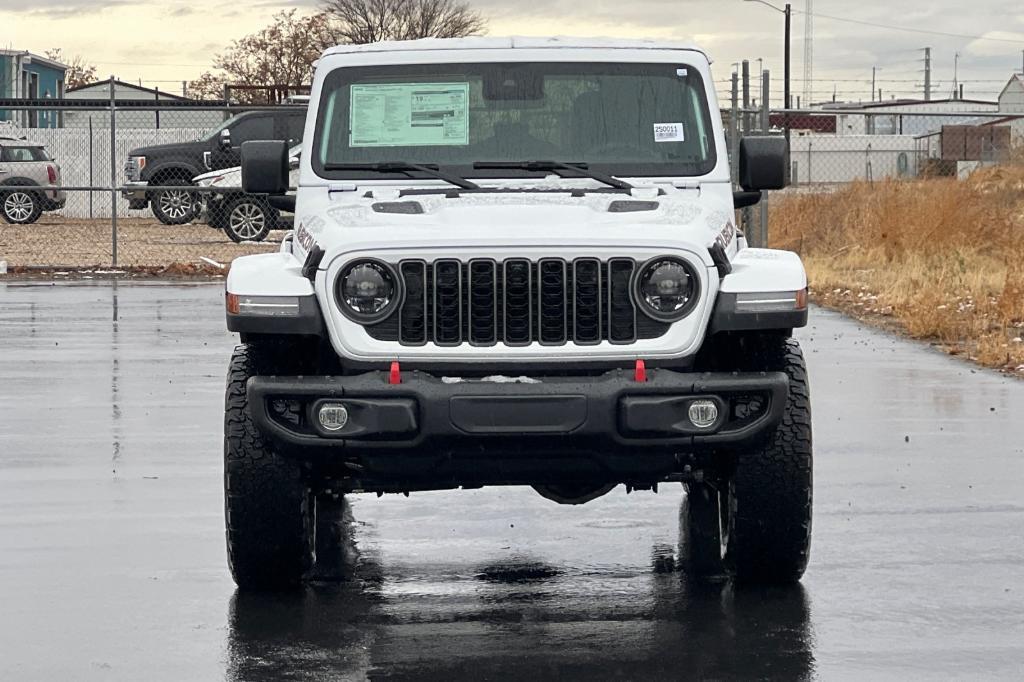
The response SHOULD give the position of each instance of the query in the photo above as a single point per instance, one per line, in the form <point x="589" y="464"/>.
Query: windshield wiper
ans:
<point x="403" y="167"/>
<point x="558" y="167"/>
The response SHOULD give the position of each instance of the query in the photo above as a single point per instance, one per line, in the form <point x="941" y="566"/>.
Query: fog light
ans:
<point x="332" y="416"/>
<point x="703" y="413"/>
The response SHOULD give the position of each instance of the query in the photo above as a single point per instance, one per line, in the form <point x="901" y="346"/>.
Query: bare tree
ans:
<point x="79" y="71"/>
<point x="278" y="56"/>
<point x="370" y="21"/>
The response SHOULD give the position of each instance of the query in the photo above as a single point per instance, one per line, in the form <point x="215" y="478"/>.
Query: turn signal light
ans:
<point x="262" y="306"/>
<point x="771" y="301"/>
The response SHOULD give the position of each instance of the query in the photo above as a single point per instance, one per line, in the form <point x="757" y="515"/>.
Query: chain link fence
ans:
<point x="113" y="183"/>
<point x="126" y="183"/>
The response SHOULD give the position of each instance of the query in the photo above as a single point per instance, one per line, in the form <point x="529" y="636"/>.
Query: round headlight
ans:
<point x="368" y="291"/>
<point x="667" y="289"/>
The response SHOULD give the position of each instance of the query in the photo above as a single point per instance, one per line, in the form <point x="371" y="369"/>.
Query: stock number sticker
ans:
<point x="669" y="132"/>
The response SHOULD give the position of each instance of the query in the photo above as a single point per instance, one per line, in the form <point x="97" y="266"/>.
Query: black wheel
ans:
<point x="248" y="219"/>
<point x="270" y="512"/>
<point x="18" y="204"/>
<point x="705" y="527"/>
<point x="759" y="513"/>
<point x="175" y="206"/>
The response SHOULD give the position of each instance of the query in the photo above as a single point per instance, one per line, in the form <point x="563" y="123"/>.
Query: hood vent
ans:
<point x="624" y="206"/>
<point x="402" y="207"/>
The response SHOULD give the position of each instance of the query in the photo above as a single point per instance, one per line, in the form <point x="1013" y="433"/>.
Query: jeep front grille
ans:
<point x="517" y="302"/>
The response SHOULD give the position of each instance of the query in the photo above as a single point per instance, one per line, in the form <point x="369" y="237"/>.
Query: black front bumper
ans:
<point x="428" y="417"/>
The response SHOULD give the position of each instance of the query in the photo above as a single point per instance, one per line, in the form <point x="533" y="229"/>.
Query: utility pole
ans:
<point x="788" y="103"/>
<point x="956" y="73"/>
<point x="808" y="49"/>
<point x="873" y="70"/>
<point x="746" y="97"/>
<point x="928" y="74"/>
<point x="786" y="96"/>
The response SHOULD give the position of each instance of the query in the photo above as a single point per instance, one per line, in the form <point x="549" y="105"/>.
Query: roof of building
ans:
<point x="856" y="106"/>
<point x="35" y="58"/>
<point x="1015" y="79"/>
<point x="493" y="43"/>
<point x="132" y="86"/>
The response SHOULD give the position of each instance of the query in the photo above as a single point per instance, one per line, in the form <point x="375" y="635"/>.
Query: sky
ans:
<point x="163" y="42"/>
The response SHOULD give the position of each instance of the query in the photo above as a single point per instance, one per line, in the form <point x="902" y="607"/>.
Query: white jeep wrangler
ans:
<point x="515" y="262"/>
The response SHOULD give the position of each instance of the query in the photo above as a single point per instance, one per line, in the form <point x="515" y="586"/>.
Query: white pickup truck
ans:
<point x="515" y="262"/>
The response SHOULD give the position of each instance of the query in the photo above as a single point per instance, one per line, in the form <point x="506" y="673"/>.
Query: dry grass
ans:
<point x="142" y="243"/>
<point x="942" y="258"/>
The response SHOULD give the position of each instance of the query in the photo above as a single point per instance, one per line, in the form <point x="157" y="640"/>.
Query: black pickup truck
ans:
<point x="172" y="165"/>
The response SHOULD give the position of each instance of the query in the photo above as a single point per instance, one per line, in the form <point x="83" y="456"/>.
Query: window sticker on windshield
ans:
<point x="669" y="132"/>
<point x="409" y="114"/>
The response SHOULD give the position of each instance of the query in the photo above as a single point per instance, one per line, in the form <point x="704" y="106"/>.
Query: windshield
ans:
<point x="621" y="119"/>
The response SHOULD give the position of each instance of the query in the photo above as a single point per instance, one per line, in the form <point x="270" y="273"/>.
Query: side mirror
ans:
<point x="265" y="167"/>
<point x="225" y="139"/>
<point x="762" y="163"/>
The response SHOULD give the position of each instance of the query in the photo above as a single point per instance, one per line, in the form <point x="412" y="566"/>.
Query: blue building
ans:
<point x="24" y="75"/>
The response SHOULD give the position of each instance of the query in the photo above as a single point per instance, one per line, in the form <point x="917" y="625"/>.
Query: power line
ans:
<point x="866" y="80"/>
<point x="917" y="30"/>
<point x="203" y="66"/>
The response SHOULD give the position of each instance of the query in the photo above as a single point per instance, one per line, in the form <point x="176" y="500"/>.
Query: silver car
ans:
<point x="29" y="181"/>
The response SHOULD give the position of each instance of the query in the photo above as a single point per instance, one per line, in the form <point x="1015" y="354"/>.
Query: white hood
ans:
<point x="354" y="222"/>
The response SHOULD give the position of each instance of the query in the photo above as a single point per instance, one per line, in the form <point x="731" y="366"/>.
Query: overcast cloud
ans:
<point x="169" y="40"/>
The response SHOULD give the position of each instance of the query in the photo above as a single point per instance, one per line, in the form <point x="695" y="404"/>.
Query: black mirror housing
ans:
<point x="265" y="167"/>
<point x="762" y="163"/>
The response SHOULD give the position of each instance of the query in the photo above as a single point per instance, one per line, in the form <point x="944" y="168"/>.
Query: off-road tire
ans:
<point x="770" y="537"/>
<point x="767" y="494"/>
<point x="248" y="219"/>
<point x="18" y="204"/>
<point x="175" y="207"/>
<point x="270" y="513"/>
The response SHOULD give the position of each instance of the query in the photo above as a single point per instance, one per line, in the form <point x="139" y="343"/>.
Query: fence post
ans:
<point x="748" y="125"/>
<point x="90" y="168"/>
<point x="810" y="145"/>
<point x="734" y="129"/>
<point x="113" y="178"/>
<point x="766" y="128"/>
<point x="765" y="97"/>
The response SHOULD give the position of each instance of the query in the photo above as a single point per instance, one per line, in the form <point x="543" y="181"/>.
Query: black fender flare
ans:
<point x="184" y="169"/>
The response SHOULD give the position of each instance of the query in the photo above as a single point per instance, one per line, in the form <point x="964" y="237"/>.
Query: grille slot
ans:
<point x="517" y="302"/>
<point x="551" y="301"/>
<point x="518" y="307"/>
<point x="483" y="302"/>
<point x="621" y="313"/>
<point x="447" y="302"/>
<point x="586" y="304"/>
<point x="412" y="316"/>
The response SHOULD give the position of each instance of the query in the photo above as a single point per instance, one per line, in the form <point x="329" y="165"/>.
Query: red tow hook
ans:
<point x="395" y="375"/>
<point x="640" y="372"/>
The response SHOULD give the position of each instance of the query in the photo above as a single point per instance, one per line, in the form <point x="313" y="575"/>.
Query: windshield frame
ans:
<point x="346" y="76"/>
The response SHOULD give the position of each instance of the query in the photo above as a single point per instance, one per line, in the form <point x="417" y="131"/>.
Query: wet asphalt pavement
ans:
<point x="112" y="560"/>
